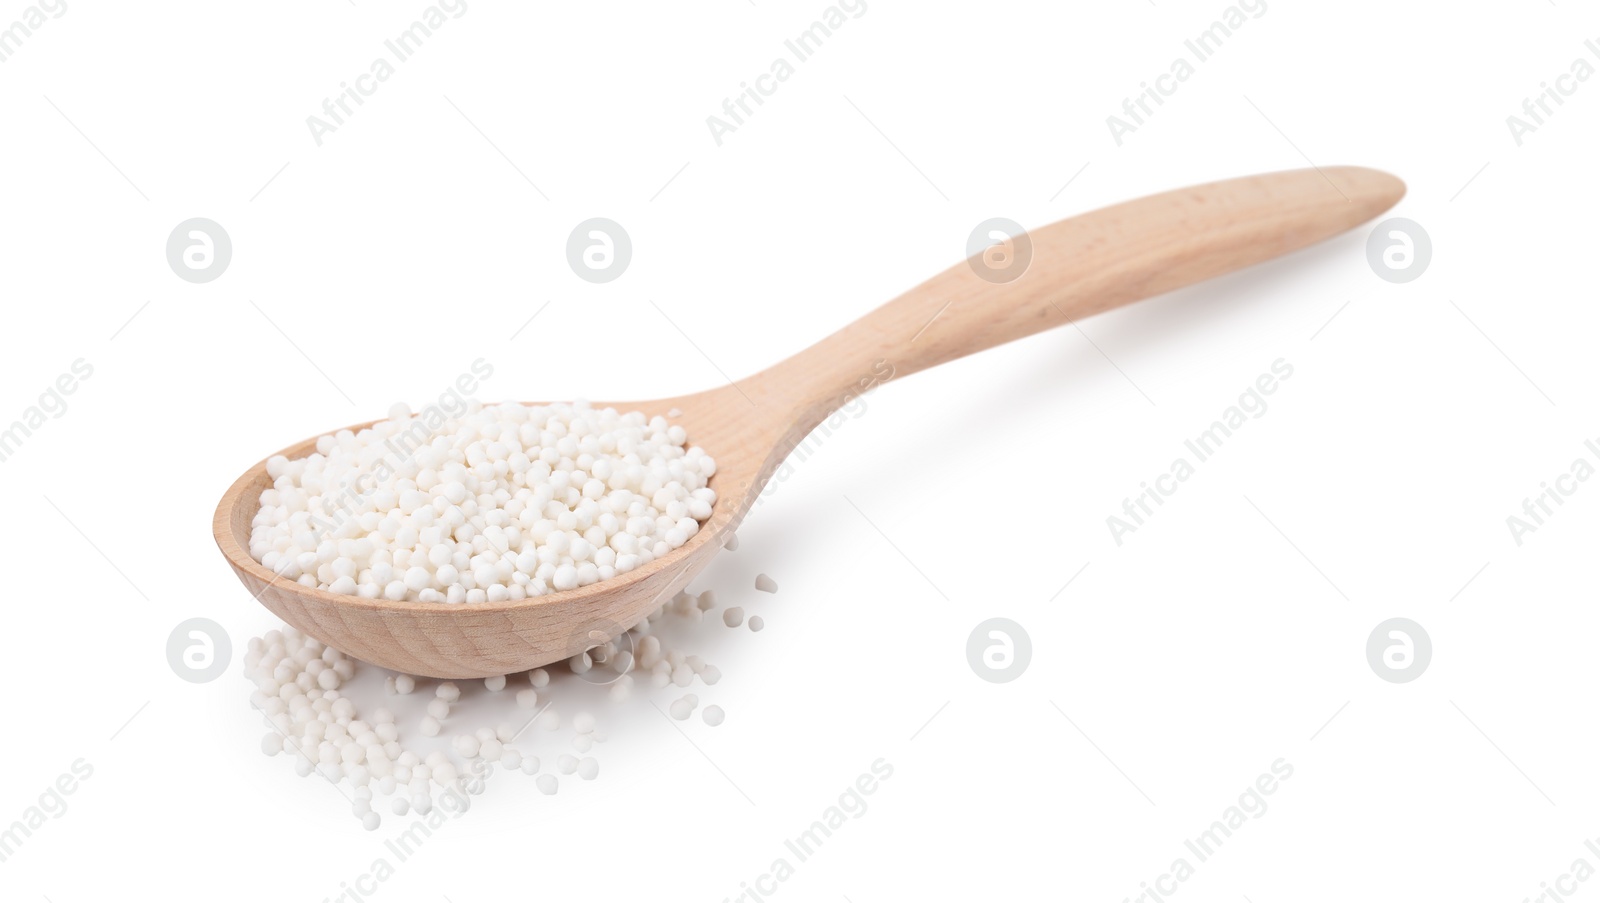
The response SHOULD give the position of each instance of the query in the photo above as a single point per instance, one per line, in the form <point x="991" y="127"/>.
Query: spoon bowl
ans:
<point x="492" y="638"/>
<point x="1050" y="277"/>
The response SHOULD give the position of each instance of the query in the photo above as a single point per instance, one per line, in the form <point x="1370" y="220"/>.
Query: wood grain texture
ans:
<point x="1079" y="267"/>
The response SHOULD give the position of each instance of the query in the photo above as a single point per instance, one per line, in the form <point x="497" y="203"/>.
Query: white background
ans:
<point x="1227" y="633"/>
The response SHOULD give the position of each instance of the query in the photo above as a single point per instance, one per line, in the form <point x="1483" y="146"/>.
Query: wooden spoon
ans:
<point x="1079" y="267"/>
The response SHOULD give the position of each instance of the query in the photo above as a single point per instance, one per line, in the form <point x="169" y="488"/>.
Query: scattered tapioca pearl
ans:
<point x="732" y="544"/>
<point x="683" y="675"/>
<point x="756" y="623"/>
<point x="733" y="617"/>
<point x="766" y="584"/>
<point x="377" y="751"/>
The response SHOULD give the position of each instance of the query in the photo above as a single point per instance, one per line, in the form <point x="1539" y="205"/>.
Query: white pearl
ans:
<point x="589" y="493"/>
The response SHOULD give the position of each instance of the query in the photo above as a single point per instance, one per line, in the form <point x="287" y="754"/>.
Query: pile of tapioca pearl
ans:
<point x="500" y="503"/>
<point x="370" y="752"/>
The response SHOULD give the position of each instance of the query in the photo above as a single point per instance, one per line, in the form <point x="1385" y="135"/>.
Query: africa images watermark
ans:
<point x="52" y="804"/>
<point x="851" y="804"/>
<point x="401" y="48"/>
<point x="1251" y="405"/>
<point x="13" y="36"/>
<point x="1536" y="110"/>
<point x="51" y="405"/>
<point x="1540" y="508"/>
<point x="737" y="109"/>
<point x="852" y="406"/>
<point x="1566" y="884"/>
<point x="1252" y="804"/>
<point x="1201" y="48"/>
<point x="454" y="802"/>
<point x="339" y="505"/>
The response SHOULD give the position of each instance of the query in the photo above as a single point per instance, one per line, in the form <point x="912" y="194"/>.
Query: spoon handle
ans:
<point x="1077" y="267"/>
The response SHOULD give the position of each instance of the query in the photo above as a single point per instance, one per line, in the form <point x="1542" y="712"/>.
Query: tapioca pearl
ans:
<point x="565" y="578"/>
